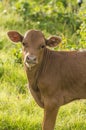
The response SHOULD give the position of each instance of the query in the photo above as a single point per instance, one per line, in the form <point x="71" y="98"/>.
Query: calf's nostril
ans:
<point x="34" y="59"/>
<point x="28" y="58"/>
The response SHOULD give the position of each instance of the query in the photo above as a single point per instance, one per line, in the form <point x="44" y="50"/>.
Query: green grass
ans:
<point x="17" y="107"/>
<point x="18" y="111"/>
<point x="72" y="116"/>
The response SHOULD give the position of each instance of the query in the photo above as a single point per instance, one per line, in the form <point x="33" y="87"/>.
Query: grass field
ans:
<point x="18" y="111"/>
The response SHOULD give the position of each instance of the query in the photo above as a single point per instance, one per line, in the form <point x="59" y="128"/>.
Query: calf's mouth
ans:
<point x="30" y="64"/>
<point x="30" y="60"/>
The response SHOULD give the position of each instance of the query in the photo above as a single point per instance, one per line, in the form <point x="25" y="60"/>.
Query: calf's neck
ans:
<point x="55" y="77"/>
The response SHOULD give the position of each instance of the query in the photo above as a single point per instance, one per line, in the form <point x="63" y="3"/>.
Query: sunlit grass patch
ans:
<point x="72" y="116"/>
<point x="18" y="111"/>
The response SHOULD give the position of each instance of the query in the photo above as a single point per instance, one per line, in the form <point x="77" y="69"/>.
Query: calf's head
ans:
<point x="33" y="43"/>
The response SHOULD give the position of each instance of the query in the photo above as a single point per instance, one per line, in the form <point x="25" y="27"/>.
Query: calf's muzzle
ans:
<point x="30" y="60"/>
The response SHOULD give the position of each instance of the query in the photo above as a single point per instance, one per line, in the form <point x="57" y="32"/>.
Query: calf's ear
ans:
<point x="15" y="36"/>
<point x="53" y="41"/>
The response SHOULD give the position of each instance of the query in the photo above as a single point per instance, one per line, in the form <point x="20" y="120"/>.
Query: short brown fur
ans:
<point x="56" y="78"/>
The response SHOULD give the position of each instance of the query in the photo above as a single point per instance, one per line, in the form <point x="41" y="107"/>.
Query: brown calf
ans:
<point x="55" y="78"/>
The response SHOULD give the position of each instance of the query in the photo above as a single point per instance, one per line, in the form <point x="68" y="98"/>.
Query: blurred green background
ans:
<point x="65" y="18"/>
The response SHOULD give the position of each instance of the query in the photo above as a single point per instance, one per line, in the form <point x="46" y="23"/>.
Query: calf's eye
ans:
<point x="42" y="46"/>
<point x="23" y="43"/>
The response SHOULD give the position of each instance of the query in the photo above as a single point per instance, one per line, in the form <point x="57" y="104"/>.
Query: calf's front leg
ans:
<point x="49" y="118"/>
